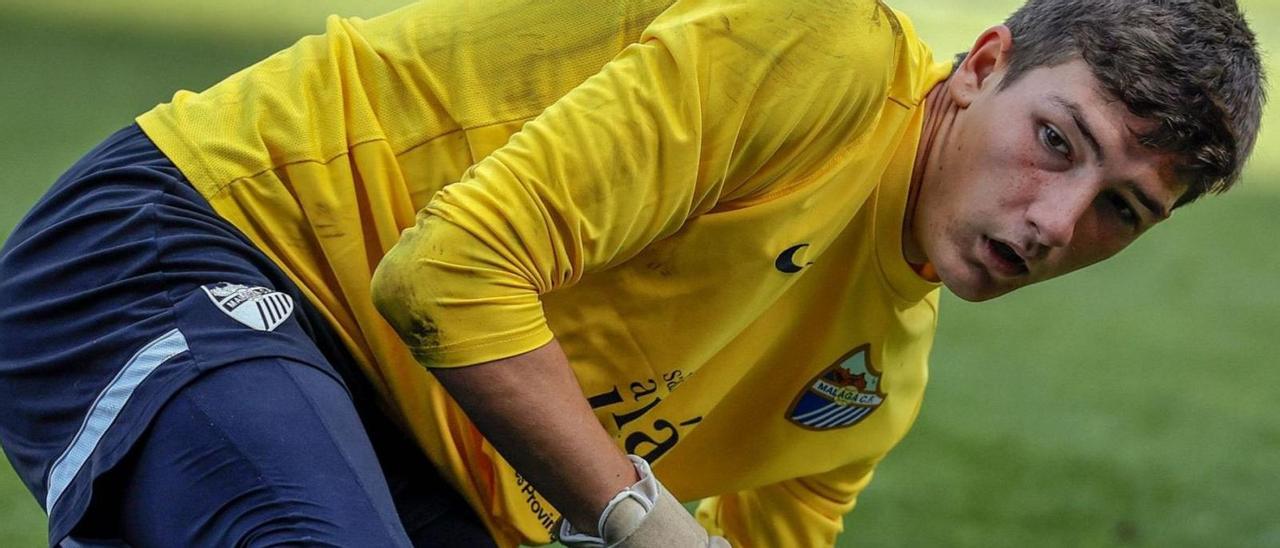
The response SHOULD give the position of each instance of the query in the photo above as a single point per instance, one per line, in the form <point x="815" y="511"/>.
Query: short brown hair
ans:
<point x="1190" y="66"/>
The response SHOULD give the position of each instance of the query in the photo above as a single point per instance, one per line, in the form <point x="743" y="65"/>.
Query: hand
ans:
<point x="644" y="515"/>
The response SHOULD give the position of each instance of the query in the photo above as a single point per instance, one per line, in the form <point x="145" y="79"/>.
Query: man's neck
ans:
<point x="939" y="111"/>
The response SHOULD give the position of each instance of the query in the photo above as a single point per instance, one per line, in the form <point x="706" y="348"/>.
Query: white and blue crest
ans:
<point x="841" y="395"/>
<point x="257" y="307"/>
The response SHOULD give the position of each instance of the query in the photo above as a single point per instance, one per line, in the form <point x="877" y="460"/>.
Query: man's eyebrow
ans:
<point x="1078" y="117"/>
<point x="1145" y="199"/>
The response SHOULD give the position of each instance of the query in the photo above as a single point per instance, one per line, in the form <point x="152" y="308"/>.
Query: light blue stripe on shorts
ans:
<point x="105" y="409"/>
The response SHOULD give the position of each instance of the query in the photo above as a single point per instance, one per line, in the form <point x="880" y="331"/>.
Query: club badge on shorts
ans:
<point x="257" y="307"/>
<point x="841" y="395"/>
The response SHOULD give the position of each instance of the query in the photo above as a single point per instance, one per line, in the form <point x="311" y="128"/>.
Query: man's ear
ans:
<point x="983" y="66"/>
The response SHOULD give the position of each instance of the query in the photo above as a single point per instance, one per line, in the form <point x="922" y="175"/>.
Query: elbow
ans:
<point x="394" y="293"/>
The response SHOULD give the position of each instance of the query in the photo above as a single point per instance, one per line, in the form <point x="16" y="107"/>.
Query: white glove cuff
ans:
<point x="643" y="493"/>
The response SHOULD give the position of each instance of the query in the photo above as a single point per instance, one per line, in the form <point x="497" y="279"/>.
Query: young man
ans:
<point x="706" y="234"/>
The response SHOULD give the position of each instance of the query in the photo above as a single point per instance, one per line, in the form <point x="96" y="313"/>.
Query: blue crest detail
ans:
<point x="841" y="395"/>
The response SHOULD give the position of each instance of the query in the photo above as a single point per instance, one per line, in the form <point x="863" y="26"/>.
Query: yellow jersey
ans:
<point x="701" y="200"/>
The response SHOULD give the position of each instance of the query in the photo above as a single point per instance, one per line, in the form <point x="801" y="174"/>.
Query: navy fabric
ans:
<point x="229" y="475"/>
<point x="109" y="312"/>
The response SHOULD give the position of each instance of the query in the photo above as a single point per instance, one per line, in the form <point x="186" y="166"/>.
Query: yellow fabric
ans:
<point x="670" y="153"/>
<point x="785" y="513"/>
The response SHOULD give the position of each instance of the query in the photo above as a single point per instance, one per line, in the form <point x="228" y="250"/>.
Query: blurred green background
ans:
<point x="1133" y="404"/>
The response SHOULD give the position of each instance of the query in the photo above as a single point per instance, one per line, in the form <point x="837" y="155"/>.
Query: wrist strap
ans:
<point x="639" y="497"/>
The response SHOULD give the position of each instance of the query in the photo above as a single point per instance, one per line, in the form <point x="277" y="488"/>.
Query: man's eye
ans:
<point x="1125" y="211"/>
<point x="1055" y="141"/>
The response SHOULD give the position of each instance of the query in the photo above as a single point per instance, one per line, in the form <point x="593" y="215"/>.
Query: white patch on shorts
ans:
<point x="257" y="307"/>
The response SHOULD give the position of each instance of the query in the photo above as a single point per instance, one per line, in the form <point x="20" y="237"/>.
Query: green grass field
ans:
<point x="1130" y="404"/>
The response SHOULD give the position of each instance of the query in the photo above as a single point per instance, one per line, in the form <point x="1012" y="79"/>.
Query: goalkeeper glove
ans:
<point x="644" y="515"/>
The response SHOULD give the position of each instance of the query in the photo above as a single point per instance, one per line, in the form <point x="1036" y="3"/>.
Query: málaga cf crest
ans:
<point x="841" y="395"/>
<point x="256" y="307"/>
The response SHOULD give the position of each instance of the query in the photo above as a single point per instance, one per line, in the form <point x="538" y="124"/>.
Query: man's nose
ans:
<point x="1057" y="211"/>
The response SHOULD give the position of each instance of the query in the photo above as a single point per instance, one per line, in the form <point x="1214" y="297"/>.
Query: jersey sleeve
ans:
<point x="805" y="511"/>
<point x="718" y="101"/>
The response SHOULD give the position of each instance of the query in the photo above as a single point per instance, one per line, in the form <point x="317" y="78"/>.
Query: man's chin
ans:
<point x="974" y="286"/>
<point x="973" y="297"/>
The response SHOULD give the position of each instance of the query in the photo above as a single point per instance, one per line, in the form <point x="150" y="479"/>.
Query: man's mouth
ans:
<point x="1005" y="259"/>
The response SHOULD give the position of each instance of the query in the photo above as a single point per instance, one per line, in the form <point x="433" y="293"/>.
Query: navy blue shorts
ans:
<point x="154" y="363"/>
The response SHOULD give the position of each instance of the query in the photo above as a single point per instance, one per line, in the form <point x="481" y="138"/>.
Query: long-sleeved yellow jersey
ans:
<point x="702" y="200"/>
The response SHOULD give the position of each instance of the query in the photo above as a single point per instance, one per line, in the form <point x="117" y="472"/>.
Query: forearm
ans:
<point x="531" y="409"/>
